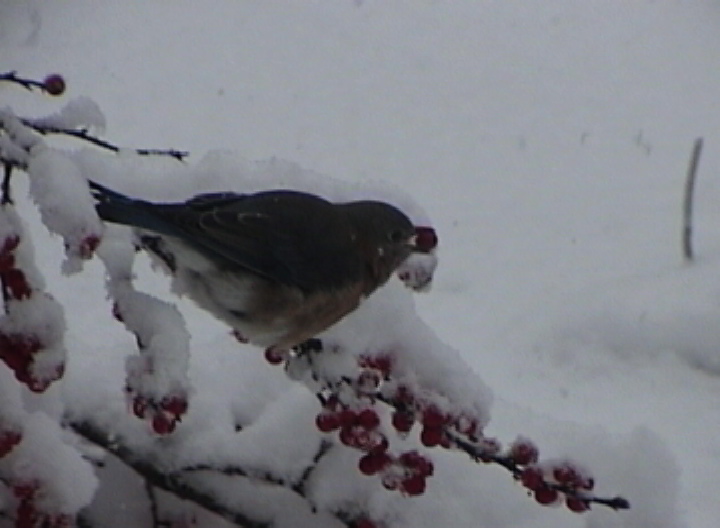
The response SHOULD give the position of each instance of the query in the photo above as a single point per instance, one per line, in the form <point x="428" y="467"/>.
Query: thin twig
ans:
<point x="28" y="84"/>
<point x="688" y="200"/>
<point x="84" y="135"/>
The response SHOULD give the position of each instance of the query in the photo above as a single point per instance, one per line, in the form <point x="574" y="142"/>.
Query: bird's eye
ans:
<point x="396" y="236"/>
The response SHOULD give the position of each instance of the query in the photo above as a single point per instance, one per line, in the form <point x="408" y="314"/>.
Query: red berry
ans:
<point x="26" y="516"/>
<point x="417" y="462"/>
<point x="275" y="356"/>
<point x="532" y="478"/>
<point x="88" y="245"/>
<point x="327" y="421"/>
<point x="433" y="417"/>
<point x="368" y="419"/>
<point x="425" y="238"/>
<point x="163" y="425"/>
<point x="8" y="440"/>
<point x="431" y="436"/>
<point x="348" y="418"/>
<point x="10" y="243"/>
<point x="414" y="485"/>
<point x="25" y="490"/>
<point x="384" y="364"/>
<point x="15" y="284"/>
<point x="373" y="463"/>
<point x="7" y="261"/>
<point x="175" y="405"/>
<point x="577" y="505"/>
<point x="566" y="475"/>
<point x="545" y="495"/>
<point x="54" y="84"/>
<point x="524" y="452"/>
<point x="403" y="421"/>
<point x="347" y="436"/>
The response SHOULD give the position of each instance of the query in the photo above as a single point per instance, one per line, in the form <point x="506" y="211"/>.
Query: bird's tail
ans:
<point x="117" y="208"/>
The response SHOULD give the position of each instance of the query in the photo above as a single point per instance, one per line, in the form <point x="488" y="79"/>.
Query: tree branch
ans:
<point x="172" y="483"/>
<point x="84" y="135"/>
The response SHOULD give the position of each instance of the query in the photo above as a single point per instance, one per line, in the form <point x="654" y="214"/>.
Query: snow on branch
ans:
<point x="385" y="391"/>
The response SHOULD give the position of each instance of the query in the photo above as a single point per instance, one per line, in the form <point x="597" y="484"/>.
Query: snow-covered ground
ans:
<point x="548" y="141"/>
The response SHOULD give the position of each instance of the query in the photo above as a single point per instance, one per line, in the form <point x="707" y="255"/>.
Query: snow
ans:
<point x="546" y="142"/>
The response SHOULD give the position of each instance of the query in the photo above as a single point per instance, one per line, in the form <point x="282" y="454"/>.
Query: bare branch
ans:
<point x="84" y="135"/>
<point x="28" y="84"/>
<point x="688" y="199"/>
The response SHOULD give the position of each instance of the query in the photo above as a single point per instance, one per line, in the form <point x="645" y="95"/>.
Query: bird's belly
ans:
<point x="266" y="313"/>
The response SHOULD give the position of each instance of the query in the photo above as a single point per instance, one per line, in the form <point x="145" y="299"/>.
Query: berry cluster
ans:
<point x="350" y="408"/>
<point x="550" y="482"/>
<point x="163" y="415"/>
<point x="19" y="350"/>
<point x="9" y="438"/>
<point x="27" y="515"/>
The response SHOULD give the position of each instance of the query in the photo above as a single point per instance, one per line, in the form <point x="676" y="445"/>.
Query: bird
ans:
<point x="278" y="266"/>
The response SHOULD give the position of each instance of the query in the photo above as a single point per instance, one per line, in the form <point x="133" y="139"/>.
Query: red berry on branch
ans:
<point x="433" y="417"/>
<point x="25" y="490"/>
<point x="402" y="421"/>
<point x="431" y="436"/>
<point x="566" y="475"/>
<point x="348" y="418"/>
<point x="26" y="516"/>
<point x="10" y="244"/>
<point x="373" y="463"/>
<point x="327" y="421"/>
<point x="532" y="478"/>
<point x="8" y="440"/>
<point x="414" y="485"/>
<point x="546" y="495"/>
<point x="7" y="261"/>
<point x="54" y="84"/>
<point x="175" y="405"/>
<point x="524" y="452"/>
<point x="15" y="284"/>
<point x="88" y="245"/>
<point x="368" y="419"/>
<point x="275" y="356"/>
<point x="577" y="505"/>
<point x="163" y="425"/>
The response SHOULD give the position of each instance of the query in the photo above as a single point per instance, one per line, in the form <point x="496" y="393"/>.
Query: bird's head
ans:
<point x="388" y="238"/>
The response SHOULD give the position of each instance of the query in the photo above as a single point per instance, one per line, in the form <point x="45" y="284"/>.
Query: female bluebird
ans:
<point x="278" y="266"/>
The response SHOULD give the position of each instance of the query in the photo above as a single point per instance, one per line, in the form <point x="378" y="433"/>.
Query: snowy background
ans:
<point x="548" y="142"/>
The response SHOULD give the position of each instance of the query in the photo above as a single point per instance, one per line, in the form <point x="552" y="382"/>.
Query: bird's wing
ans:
<point x="287" y="237"/>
